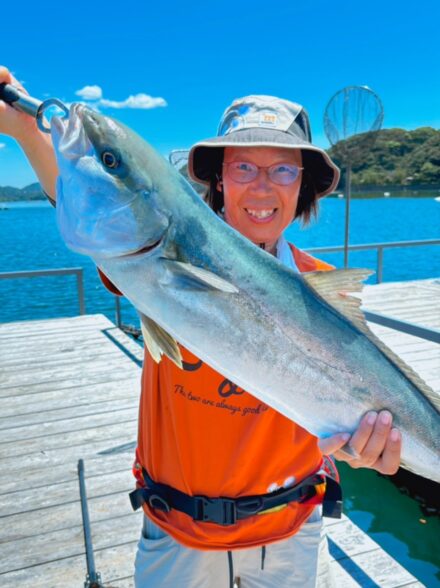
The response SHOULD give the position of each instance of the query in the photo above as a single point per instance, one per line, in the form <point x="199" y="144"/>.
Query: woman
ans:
<point x="203" y="443"/>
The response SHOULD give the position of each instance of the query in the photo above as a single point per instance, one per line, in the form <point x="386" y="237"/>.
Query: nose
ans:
<point x="262" y="181"/>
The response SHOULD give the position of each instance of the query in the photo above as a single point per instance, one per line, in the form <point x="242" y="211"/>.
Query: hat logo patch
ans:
<point x="268" y="119"/>
<point x="232" y="122"/>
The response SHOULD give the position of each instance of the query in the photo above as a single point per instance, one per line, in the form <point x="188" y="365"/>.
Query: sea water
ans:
<point x="29" y="241"/>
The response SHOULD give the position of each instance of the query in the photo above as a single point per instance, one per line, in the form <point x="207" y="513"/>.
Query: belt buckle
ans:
<point x="217" y="510"/>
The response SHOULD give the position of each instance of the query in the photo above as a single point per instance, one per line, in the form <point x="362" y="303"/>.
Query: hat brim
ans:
<point x="207" y="156"/>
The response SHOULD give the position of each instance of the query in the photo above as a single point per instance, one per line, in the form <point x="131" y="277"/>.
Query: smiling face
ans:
<point x="261" y="209"/>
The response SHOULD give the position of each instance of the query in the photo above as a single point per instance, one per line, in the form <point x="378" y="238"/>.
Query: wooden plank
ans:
<point x="62" y="516"/>
<point x="42" y="360"/>
<point x="70" y="414"/>
<point x="62" y="441"/>
<point x="96" y="321"/>
<point x="24" y="500"/>
<point x="374" y="568"/>
<point x="46" y="346"/>
<point x="349" y="539"/>
<point x="358" y="559"/>
<point x="69" y="542"/>
<point x="54" y="457"/>
<point x="51" y="402"/>
<point x="122" y="582"/>
<point x="42" y="391"/>
<point x="60" y="427"/>
<point x="48" y="374"/>
<point x="97" y="465"/>
<point x="112" y="562"/>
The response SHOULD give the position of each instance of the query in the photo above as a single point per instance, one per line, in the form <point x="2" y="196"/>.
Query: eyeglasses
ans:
<point x="245" y="172"/>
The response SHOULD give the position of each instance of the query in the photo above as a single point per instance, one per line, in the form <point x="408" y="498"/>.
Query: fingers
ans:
<point x="376" y="443"/>
<point x="371" y="436"/>
<point x="390" y="459"/>
<point x="5" y="75"/>
<point x="333" y="443"/>
<point x="12" y="122"/>
<point x="7" y="78"/>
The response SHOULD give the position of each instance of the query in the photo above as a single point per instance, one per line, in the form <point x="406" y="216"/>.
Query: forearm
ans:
<point x="40" y="153"/>
<point x="36" y="145"/>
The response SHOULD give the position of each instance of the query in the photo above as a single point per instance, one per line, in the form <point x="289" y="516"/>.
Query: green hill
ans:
<point x="395" y="156"/>
<point x="31" y="192"/>
<point x="388" y="157"/>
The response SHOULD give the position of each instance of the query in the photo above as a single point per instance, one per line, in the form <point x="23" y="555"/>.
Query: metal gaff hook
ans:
<point x="42" y="109"/>
<point x="36" y="108"/>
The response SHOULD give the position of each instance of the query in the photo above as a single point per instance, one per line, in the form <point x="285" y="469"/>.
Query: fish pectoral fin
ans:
<point x="159" y="342"/>
<point x="335" y="287"/>
<point x="201" y="277"/>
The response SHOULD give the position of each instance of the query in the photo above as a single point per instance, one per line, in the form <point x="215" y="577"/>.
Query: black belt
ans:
<point x="227" y="511"/>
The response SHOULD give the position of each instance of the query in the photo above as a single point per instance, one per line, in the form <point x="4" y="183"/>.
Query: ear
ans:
<point x="219" y="185"/>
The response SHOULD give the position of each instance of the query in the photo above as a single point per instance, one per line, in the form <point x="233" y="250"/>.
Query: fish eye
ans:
<point x="110" y="159"/>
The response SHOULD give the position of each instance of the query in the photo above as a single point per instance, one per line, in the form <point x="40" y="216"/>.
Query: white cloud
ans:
<point x="142" y="101"/>
<point x="92" y="96"/>
<point x="90" y="93"/>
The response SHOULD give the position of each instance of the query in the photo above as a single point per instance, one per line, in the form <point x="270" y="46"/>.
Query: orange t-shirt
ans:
<point x="201" y="434"/>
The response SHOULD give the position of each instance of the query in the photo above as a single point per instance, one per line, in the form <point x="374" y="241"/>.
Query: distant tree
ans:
<point x="395" y="157"/>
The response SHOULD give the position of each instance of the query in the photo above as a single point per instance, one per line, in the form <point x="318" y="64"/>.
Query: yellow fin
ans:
<point x="159" y="342"/>
<point x="334" y="287"/>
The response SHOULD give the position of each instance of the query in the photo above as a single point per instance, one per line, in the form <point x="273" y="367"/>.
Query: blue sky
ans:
<point x="198" y="56"/>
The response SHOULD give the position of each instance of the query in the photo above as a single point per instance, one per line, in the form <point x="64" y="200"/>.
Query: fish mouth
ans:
<point x="69" y="135"/>
<point x="143" y="250"/>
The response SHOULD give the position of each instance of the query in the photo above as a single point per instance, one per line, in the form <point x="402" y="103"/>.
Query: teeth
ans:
<point x="261" y="213"/>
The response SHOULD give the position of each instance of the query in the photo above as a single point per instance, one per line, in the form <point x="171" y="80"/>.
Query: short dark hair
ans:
<point x="306" y="209"/>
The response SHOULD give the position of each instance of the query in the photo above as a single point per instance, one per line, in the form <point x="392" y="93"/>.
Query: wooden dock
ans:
<point x="68" y="390"/>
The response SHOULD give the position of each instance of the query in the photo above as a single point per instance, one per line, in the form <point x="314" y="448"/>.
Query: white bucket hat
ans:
<point x="264" y="121"/>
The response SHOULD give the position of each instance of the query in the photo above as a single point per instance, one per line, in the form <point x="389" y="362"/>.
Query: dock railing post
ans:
<point x="347" y="213"/>
<point x="80" y="289"/>
<point x="118" y="312"/>
<point x="379" y="264"/>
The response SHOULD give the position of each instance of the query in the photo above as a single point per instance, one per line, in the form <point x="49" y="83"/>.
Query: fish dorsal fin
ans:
<point x="200" y="277"/>
<point x="334" y="287"/>
<point x="159" y="342"/>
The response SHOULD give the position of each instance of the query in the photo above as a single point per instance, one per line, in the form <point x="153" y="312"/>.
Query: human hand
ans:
<point x="12" y="122"/>
<point x="375" y="444"/>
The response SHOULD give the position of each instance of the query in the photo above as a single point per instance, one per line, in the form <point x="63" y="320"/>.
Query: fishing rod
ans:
<point x="93" y="578"/>
<point x="31" y="106"/>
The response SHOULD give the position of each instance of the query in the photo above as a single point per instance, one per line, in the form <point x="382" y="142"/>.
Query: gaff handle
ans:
<point x="36" y="108"/>
<point x="19" y="100"/>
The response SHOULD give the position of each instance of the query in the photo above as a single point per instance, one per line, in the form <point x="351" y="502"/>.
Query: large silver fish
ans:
<point x="289" y="339"/>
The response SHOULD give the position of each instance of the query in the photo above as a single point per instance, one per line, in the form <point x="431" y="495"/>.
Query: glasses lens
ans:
<point x="242" y="171"/>
<point x="283" y="173"/>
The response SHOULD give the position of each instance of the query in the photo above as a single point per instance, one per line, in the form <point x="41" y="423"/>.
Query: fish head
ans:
<point x="108" y="204"/>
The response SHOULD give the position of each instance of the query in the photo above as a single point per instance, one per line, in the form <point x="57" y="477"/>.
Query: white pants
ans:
<point x="299" y="561"/>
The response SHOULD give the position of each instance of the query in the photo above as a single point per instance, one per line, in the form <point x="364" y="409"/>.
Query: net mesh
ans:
<point x="354" y="111"/>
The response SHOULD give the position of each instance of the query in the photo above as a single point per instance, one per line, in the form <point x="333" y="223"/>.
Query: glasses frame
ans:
<point x="226" y="165"/>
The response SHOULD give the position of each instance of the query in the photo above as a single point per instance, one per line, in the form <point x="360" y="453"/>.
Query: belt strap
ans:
<point x="227" y="511"/>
